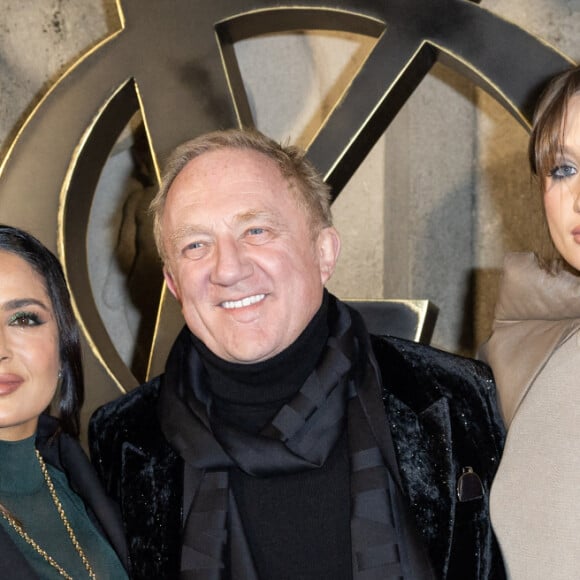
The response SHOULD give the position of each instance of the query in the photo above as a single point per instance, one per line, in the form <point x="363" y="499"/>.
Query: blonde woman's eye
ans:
<point x="563" y="171"/>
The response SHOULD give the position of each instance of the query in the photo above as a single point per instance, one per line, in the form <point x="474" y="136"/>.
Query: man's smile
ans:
<point x="232" y="304"/>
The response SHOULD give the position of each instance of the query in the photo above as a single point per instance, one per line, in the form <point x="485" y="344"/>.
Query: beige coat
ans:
<point x="534" y="352"/>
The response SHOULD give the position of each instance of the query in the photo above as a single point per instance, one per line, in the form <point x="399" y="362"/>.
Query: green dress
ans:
<point x="24" y="493"/>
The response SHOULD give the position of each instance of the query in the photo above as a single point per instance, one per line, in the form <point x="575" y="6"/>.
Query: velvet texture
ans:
<point x="444" y="417"/>
<point x="144" y="474"/>
<point x="441" y="411"/>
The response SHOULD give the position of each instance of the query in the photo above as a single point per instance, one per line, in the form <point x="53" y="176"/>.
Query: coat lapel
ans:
<point x="151" y="503"/>
<point x="68" y="456"/>
<point x="423" y="446"/>
<point x="369" y="394"/>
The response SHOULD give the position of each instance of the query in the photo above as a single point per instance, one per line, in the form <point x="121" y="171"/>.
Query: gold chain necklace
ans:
<point x="22" y="533"/>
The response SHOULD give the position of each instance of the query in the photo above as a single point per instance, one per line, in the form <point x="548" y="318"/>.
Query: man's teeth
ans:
<point x="243" y="302"/>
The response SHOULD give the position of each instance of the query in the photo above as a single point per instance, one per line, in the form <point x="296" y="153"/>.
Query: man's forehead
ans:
<point x="242" y="217"/>
<point x="230" y="173"/>
<point x="216" y="162"/>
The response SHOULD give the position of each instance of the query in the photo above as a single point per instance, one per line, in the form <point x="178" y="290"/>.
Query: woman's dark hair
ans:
<point x="70" y="395"/>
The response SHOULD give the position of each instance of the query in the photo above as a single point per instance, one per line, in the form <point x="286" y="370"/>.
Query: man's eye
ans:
<point x="563" y="171"/>
<point x="24" y="319"/>
<point x="256" y="231"/>
<point x="194" y="250"/>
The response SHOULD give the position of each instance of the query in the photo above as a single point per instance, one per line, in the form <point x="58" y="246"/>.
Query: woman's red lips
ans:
<point x="9" y="383"/>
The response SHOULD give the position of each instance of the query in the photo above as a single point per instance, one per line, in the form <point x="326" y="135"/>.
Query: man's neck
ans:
<point x="267" y="385"/>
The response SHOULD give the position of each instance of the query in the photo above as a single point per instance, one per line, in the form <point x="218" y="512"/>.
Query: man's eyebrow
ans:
<point x="22" y="303"/>
<point x="185" y="231"/>
<point x="242" y="218"/>
<point x="251" y="215"/>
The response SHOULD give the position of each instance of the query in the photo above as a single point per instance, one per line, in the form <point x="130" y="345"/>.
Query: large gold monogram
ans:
<point x="174" y="62"/>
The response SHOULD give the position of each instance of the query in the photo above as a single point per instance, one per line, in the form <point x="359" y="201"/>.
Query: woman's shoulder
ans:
<point x="536" y="311"/>
<point x="529" y="292"/>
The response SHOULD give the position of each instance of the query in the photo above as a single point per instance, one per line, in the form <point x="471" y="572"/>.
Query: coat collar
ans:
<point x="444" y="423"/>
<point x="153" y="527"/>
<point x="527" y="331"/>
<point x="423" y="445"/>
<point x="65" y="453"/>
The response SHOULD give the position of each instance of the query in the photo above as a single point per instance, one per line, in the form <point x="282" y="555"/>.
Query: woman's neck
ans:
<point x="19" y="469"/>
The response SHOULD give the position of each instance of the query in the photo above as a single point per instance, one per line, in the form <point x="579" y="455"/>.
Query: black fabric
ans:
<point x="249" y="395"/>
<point x="301" y="436"/>
<point x="298" y="525"/>
<point x="444" y="416"/>
<point x="436" y="412"/>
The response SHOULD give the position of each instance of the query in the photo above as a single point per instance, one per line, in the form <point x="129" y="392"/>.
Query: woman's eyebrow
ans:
<point x="23" y="302"/>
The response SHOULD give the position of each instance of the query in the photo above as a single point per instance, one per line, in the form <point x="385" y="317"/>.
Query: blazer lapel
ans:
<point x="152" y="510"/>
<point x="84" y="481"/>
<point x="423" y="445"/>
<point x="369" y="394"/>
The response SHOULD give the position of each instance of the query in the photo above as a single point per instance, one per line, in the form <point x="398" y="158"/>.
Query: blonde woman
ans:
<point x="534" y="352"/>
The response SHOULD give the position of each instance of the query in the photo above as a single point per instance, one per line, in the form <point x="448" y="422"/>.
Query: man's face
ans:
<point x="241" y="257"/>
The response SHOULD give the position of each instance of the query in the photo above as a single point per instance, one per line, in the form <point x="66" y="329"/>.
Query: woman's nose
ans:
<point x="576" y="198"/>
<point x="4" y="347"/>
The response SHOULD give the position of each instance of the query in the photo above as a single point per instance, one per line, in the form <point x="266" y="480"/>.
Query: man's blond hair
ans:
<point x="311" y="192"/>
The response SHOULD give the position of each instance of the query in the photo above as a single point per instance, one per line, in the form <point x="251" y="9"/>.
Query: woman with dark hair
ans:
<point x="534" y="352"/>
<point x="55" y="519"/>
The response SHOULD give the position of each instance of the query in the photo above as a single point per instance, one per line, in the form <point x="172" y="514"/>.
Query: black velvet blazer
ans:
<point x="65" y="453"/>
<point x="440" y="408"/>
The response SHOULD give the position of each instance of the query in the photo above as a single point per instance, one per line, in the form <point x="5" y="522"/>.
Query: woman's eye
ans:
<point x="563" y="171"/>
<point x="24" y="319"/>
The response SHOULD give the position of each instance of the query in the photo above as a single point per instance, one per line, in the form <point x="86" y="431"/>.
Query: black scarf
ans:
<point x="342" y="391"/>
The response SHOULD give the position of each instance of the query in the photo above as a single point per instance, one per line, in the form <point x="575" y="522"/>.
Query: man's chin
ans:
<point x="248" y="353"/>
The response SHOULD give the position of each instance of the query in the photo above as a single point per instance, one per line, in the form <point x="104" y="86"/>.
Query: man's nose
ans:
<point x="231" y="263"/>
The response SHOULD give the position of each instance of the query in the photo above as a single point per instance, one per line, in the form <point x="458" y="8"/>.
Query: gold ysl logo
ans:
<point x="174" y="62"/>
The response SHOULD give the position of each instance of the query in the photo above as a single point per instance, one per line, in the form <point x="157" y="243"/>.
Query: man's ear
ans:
<point x="328" y="247"/>
<point x="173" y="288"/>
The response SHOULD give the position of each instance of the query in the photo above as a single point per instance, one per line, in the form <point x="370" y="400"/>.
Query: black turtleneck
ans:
<point x="249" y="395"/>
<point x="298" y="525"/>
